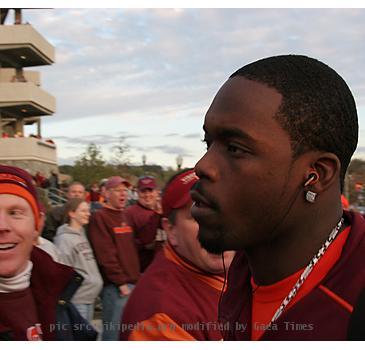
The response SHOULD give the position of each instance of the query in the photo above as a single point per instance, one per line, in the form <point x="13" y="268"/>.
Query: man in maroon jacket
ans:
<point x="177" y="297"/>
<point x="144" y="217"/>
<point x="35" y="291"/>
<point x="280" y="134"/>
<point x="116" y="254"/>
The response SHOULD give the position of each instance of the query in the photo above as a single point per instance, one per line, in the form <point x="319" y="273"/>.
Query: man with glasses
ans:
<point x="144" y="217"/>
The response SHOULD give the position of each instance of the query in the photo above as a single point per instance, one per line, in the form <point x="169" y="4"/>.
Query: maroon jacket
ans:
<point x="44" y="305"/>
<point x="174" y="300"/>
<point x="113" y="243"/>
<point x="315" y="317"/>
<point x="145" y="223"/>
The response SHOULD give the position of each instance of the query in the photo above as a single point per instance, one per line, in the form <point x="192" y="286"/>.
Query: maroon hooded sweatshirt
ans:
<point x="114" y="246"/>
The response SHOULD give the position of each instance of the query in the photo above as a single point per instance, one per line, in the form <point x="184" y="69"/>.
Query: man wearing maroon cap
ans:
<point x="144" y="217"/>
<point x="116" y="254"/>
<point x="35" y="291"/>
<point x="177" y="297"/>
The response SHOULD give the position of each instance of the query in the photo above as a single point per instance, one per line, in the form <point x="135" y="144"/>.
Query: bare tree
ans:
<point x="121" y="153"/>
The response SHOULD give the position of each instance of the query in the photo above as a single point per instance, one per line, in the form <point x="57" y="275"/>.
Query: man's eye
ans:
<point x="236" y="150"/>
<point x="15" y="212"/>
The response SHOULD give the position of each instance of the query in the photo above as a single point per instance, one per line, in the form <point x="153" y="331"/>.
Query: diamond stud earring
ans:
<point x="310" y="196"/>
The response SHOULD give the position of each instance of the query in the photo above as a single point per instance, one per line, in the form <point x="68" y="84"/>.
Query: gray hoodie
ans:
<point x="50" y="249"/>
<point x="77" y="253"/>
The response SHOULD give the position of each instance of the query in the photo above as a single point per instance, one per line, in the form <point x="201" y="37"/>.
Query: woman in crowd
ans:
<point x="76" y="252"/>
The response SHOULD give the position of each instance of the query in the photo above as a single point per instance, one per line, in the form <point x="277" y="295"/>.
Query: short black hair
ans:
<point x="318" y="110"/>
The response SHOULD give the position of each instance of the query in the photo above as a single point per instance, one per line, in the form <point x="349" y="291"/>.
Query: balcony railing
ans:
<point x="27" y="148"/>
<point x="13" y="95"/>
<point x="22" y="46"/>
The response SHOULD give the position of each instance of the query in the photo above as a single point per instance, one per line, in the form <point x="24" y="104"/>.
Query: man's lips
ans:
<point x="200" y="201"/>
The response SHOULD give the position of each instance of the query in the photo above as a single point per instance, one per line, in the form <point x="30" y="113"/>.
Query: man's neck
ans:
<point x="108" y="206"/>
<point x="17" y="283"/>
<point x="146" y="206"/>
<point x="292" y="250"/>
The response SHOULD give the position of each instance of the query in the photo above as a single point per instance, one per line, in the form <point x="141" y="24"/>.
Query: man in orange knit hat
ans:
<point x="29" y="279"/>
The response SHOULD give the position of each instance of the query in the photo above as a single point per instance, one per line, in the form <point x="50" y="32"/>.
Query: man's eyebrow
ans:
<point x="16" y="206"/>
<point x="225" y="132"/>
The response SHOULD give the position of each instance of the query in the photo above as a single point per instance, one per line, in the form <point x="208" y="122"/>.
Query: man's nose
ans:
<point x="4" y="225"/>
<point x="207" y="167"/>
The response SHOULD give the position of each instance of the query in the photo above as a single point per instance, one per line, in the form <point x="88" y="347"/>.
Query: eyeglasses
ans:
<point x="146" y="177"/>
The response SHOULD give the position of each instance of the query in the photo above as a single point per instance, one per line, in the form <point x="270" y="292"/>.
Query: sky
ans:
<point x="149" y="75"/>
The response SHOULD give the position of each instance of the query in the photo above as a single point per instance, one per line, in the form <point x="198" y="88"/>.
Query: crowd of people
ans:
<point x="254" y="243"/>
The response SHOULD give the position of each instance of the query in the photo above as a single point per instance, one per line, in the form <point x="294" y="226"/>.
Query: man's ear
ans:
<point x="107" y="194"/>
<point x="36" y="237"/>
<point x="168" y="227"/>
<point x="38" y="231"/>
<point x="42" y="220"/>
<point x="327" y="167"/>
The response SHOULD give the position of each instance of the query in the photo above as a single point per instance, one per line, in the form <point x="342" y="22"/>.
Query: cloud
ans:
<point x="192" y="136"/>
<point x="168" y="149"/>
<point x="144" y="64"/>
<point x="186" y="136"/>
<point x="66" y="161"/>
<point x="115" y="61"/>
<point x="359" y="150"/>
<point x="102" y="139"/>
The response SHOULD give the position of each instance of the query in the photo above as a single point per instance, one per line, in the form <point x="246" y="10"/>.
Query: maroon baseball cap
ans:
<point x="177" y="192"/>
<point x="146" y="182"/>
<point x="115" y="181"/>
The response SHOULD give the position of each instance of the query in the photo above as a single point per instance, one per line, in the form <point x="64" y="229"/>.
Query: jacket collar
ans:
<point x="237" y="304"/>
<point x="48" y="281"/>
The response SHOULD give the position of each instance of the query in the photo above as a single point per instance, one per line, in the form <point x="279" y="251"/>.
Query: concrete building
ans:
<point x="22" y="100"/>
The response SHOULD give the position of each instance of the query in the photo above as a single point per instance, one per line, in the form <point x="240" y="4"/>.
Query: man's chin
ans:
<point x="211" y="240"/>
